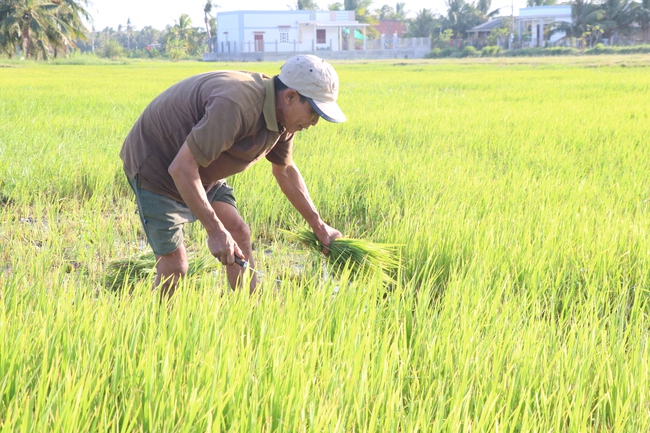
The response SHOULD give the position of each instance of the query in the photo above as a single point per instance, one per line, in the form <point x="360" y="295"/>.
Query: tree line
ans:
<point x="174" y="41"/>
<point x="592" y="20"/>
<point x="47" y="28"/>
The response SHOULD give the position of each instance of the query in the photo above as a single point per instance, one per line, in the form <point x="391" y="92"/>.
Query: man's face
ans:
<point x="297" y="115"/>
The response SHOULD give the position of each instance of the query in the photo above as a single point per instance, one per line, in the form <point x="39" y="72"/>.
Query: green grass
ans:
<point x="517" y="187"/>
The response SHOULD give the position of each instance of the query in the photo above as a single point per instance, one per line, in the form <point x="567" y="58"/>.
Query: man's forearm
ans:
<point x="184" y="171"/>
<point x="294" y="188"/>
<point x="196" y="200"/>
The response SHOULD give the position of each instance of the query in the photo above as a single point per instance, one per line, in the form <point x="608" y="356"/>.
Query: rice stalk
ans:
<point x="130" y="270"/>
<point x="359" y="255"/>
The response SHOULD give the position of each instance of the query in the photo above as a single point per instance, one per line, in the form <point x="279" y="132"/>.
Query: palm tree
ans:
<point x="362" y="13"/>
<point x="618" y="15"/>
<point x="42" y="26"/>
<point x="360" y="8"/>
<point x="483" y="13"/>
<point x="207" y="14"/>
<point x="422" y="25"/>
<point x="207" y="17"/>
<point x="385" y="12"/>
<point x="129" y="33"/>
<point x="461" y="16"/>
<point x="184" y="35"/>
<point x="643" y="13"/>
<point x="9" y="34"/>
<point x="531" y="3"/>
<point x="147" y="36"/>
<point x="307" y="5"/>
<point x="182" y="30"/>
<point x="107" y="34"/>
<point x="584" y="16"/>
<point x="400" y="11"/>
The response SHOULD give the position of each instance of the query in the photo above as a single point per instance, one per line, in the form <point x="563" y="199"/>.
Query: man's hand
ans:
<point x="326" y="235"/>
<point x="223" y="247"/>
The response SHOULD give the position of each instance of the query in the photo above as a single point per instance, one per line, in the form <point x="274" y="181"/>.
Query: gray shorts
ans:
<point x="163" y="218"/>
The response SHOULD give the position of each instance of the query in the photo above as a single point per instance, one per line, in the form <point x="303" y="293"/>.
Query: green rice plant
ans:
<point x="126" y="272"/>
<point x="359" y="255"/>
<point x="518" y="188"/>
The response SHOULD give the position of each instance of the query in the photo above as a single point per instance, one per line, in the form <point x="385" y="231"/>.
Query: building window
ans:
<point x="284" y="36"/>
<point x="320" y="36"/>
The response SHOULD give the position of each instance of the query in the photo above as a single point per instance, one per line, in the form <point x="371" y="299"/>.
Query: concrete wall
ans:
<point x="412" y="53"/>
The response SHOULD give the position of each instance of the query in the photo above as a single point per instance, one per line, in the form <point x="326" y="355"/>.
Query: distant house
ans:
<point x="390" y="28"/>
<point x="478" y="35"/>
<point x="333" y="35"/>
<point x="533" y="22"/>
<point x="286" y="31"/>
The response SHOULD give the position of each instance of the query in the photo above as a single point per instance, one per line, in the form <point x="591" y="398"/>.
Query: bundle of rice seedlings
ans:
<point x="358" y="255"/>
<point x="128" y="271"/>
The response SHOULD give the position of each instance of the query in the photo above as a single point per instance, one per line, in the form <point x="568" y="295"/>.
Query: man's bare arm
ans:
<point x="293" y="186"/>
<point x="184" y="169"/>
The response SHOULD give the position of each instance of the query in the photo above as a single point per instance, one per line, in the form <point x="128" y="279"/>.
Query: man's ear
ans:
<point x="291" y="96"/>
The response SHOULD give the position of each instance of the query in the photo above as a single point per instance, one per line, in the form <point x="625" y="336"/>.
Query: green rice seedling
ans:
<point x="359" y="255"/>
<point x="133" y="269"/>
<point x="126" y="271"/>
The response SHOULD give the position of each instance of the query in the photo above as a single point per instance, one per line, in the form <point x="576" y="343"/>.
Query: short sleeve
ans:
<point x="280" y="154"/>
<point x="222" y="125"/>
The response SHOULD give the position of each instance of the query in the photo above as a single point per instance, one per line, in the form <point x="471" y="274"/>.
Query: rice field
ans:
<point x="518" y="190"/>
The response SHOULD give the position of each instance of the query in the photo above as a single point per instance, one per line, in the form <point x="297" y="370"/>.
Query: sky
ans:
<point x="160" y="13"/>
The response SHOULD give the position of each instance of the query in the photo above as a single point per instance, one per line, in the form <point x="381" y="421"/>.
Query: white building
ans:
<point x="538" y="19"/>
<point x="288" y="31"/>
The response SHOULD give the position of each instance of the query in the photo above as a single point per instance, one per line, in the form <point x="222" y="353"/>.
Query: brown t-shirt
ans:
<point x="228" y="120"/>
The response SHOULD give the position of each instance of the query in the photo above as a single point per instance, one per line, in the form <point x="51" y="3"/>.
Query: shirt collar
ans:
<point x="269" y="108"/>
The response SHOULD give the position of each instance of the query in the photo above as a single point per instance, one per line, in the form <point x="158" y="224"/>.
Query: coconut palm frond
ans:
<point x="42" y="27"/>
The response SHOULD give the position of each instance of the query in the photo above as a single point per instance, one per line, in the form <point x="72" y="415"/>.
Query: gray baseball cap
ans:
<point x="316" y="80"/>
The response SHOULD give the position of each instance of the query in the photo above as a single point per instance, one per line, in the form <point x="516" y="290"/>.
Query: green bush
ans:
<point x="442" y="41"/>
<point x="175" y="50"/>
<point x="433" y="54"/>
<point x="438" y="53"/>
<point x="469" y="51"/>
<point x="87" y="58"/>
<point x="154" y="53"/>
<point x="111" y="50"/>
<point x="602" y="49"/>
<point x="530" y="52"/>
<point x="450" y="52"/>
<point x="491" y="51"/>
<point x="137" y="53"/>
<point x="560" y="51"/>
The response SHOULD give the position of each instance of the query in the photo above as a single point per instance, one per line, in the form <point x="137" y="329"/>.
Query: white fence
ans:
<point x="385" y="43"/>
